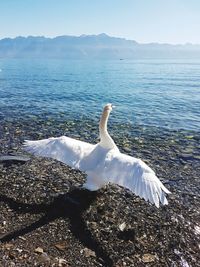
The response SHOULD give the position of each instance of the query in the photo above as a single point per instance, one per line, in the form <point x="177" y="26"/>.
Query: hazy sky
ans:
<point x="171" y="21"/>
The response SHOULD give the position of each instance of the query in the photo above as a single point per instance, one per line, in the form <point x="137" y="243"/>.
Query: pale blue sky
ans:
<point x="171" y="21"/>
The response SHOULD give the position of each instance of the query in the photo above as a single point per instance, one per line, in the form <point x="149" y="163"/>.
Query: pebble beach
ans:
<point x="48" y="220"/>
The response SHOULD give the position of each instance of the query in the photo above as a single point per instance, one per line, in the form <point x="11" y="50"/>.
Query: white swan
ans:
<point x="103" y="163"/>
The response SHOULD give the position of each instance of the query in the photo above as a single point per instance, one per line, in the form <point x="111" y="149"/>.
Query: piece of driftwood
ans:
<point x="13" y="159"/>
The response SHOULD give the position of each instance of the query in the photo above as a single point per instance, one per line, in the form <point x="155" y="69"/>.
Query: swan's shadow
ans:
<point x="71" y="206"/>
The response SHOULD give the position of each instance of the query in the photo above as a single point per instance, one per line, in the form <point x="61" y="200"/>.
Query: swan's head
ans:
<point x="108" y="108"/>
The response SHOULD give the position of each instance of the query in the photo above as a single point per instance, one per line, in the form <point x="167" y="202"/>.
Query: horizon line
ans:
<point x="100" y="34"/>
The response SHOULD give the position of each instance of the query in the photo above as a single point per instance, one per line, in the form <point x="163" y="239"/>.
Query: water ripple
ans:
<point x="155" y="93"/>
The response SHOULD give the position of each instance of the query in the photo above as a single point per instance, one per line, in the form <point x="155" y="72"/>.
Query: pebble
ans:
<point x="44" y="258"/>
<point x="146" y="258"/>
<point x="122" y="226"/>
<point x="88" y="252"/>
<point x="62" y="263"/>
<point x="39" y="250"/>
<point x="61" y="246"/>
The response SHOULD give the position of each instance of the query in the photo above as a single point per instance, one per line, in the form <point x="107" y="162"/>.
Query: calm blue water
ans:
<point x="161" y="93"/>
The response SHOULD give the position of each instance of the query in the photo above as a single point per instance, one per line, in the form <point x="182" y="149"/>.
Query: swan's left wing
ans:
<point x="135" y="175"/>
<point x="65" y="149"/>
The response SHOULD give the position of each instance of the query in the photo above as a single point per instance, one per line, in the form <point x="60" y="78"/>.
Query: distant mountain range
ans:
<point x="99" y="46"/>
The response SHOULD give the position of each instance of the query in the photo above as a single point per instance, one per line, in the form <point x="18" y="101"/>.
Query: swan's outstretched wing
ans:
<point x="67" y="150"/>
<point x="135" y="175"/>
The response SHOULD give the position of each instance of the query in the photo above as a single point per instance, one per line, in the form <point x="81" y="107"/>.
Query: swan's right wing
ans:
<point x="134" y="174"/>
<point x="67" y="150"/>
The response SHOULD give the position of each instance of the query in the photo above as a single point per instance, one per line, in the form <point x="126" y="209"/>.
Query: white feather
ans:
<point x="67" y="150"/>
<point x="103" y="163"/>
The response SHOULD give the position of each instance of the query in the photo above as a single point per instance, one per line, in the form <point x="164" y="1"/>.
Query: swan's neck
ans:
<point x="105" y="139"/>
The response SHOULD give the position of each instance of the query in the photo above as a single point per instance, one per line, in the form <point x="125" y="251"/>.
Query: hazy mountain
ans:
<point x="91" y="46"/>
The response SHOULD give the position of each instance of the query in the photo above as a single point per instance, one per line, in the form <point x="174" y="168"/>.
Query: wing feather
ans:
<point x="134" y="174"/>
<point x="67" y="150"/>
<point x="102" y="166"/>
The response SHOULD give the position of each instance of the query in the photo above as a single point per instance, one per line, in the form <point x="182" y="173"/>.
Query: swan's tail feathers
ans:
<point x="93" y="182"/>
<point x="90" y="187"/>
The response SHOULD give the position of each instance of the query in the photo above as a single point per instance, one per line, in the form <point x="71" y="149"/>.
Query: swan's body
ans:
<point x="103" y="163"/>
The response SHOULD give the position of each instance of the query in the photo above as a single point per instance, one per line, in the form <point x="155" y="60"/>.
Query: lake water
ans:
<point x="161" y="93"/>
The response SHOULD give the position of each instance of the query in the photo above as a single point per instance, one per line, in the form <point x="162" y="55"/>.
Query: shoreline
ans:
<point x="37" y="207"/>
